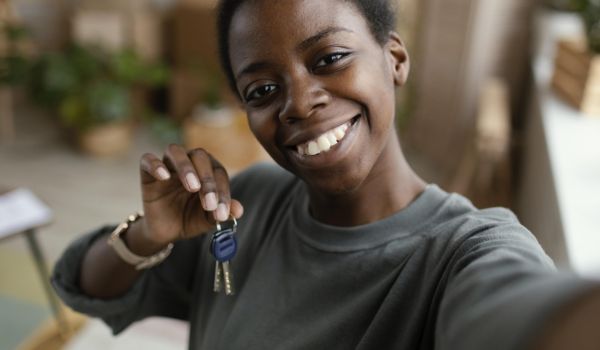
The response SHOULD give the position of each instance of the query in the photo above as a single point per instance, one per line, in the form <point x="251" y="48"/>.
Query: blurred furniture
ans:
<point x="460" y="44"/>
<point x="484" y="174"/>
<point x="232" y="144"/>
<point x="21" y="213"/>
<point x="115" y="25"/>
<point x="197" y="75"/>
<point x="559" y="191"/>
<point x="49" y="336"/>
<point x="7" y="119"/>
<point x="576" y="75"/>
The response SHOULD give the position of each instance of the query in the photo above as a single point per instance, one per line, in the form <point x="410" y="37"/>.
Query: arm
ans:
<point x="182" y="197"/>
<point x="502" y="292"/>
<point x="104" y="274"/>
<point x="577" y="326"/>
<point x="93" y="279"/>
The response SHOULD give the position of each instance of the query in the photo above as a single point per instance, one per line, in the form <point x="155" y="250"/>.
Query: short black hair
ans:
<point x="380" y="16"/>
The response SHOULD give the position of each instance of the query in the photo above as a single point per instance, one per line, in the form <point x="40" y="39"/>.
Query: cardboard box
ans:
<point x="241" y="148"/>
<point x="211" y="4"/>
<point x="576" y="76"/>
<point x="128" y="6"/>
<point x="120" y="27"/>
<point x="194" y="37"/>
<point x="145" y="34"/>
<point x="105" y="29"/>
<point x="190" y="87"/>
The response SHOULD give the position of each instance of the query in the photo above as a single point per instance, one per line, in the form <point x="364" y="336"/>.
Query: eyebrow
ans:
<point x="303" y="46"/>
<point x="306" y="43"/>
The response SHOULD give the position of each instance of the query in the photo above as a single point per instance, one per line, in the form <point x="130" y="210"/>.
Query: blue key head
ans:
<point x="224" y="245"/>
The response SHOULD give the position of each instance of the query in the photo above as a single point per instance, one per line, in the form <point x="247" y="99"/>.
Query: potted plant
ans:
<point x="15" y="49"/>
<point x="590" y="12"/>
<point x="92" y="92"/>
<point x="576" y="75"/>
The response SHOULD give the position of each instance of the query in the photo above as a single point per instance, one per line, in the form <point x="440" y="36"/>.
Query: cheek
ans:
<point x="376" y="93"/>
<point x="261" y="130"/>
<point x="265" y="131"/>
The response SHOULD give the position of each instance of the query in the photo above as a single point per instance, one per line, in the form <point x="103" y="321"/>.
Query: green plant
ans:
<point x="89" y="87"/>
<point x="14" y="65"/>
<point x="590" y="11"/>
<point x="211" y="81"/>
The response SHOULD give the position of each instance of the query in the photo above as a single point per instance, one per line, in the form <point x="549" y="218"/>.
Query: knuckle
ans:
<point x="199" y="154"/>
<point x="208" y="183"/>
<point x="185" y="167"/>
<point x="224" y="197"/>
<point x="208" y="180"/>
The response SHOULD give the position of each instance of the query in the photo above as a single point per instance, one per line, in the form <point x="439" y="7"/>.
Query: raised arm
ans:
<point x="183" y="194"/>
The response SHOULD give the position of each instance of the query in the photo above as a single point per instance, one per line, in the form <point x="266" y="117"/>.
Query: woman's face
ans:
<point x="317" y="87"/>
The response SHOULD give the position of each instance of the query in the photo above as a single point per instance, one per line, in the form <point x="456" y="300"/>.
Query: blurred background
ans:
<point x="503" y="106"/>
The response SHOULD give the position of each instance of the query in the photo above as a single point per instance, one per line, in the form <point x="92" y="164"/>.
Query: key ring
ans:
<point x="218" y="224"/>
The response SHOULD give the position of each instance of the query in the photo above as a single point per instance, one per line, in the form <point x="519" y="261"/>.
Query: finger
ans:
<point x="152" y="169"/>
<point x="176" y="158"/>
<point x="204" y="168"/>
<point x="237" y="210"/>
<point x="223" y="193"/>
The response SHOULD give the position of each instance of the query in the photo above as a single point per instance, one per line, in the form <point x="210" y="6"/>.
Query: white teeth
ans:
<point x="324" y="142"/>
<point x="339" y="133"/>
<point x="313" y="148"/>
<point x="331" y="138"/>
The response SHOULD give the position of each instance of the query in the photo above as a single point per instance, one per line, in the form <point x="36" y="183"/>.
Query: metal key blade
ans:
<point x="228" y="278"/>
<point x="217" y="283"/>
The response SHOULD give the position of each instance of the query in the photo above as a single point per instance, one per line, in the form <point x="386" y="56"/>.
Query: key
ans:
<point x="217" y="284"/>
<point x="227" y="276"/>
<point x="223" y="247"/>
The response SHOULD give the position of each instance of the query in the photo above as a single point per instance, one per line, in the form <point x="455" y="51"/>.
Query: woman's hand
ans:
<point x="184" y="194"/>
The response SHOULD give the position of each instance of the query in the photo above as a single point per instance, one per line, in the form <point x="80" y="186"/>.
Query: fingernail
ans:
<point x="222" y="214"/>
<point x="210" y="201"/>
<point x="163" y="174"/>
<point x="192" y="181"/>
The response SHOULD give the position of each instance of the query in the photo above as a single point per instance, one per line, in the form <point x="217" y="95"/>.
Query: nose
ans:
<point x="304" y="96"/>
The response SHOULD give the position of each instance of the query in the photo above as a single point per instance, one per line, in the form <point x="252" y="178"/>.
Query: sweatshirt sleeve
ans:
<point x="164" y="290"/>
<point x="503" y="290"/>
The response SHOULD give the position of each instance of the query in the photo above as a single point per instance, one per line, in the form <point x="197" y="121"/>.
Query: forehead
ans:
<point x="260" y="26"/>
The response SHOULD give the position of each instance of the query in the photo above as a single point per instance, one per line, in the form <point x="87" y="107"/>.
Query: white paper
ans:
<point x="21" y="210"/>
<point x="150" y="334"/>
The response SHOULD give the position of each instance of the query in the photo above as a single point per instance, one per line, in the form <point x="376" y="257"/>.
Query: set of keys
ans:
<point x="223" y="247"/>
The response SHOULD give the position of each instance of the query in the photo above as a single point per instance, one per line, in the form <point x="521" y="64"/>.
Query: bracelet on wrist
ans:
<point x="140" y="262"/>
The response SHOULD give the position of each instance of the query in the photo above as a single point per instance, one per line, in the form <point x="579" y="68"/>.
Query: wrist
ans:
<point x="136" y="239"/>
<point x="149" y="258"/>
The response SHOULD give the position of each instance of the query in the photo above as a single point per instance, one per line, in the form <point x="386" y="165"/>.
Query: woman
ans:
<point x="345" y="248"/>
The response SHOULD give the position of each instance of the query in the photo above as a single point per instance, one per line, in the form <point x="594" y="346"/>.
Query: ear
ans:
<point x="398" y="58"/>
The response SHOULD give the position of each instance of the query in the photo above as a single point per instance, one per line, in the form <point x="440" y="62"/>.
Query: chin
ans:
<point x="335" y="183"/>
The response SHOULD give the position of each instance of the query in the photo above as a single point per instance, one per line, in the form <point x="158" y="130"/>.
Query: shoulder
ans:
<point x="471" y="233"/>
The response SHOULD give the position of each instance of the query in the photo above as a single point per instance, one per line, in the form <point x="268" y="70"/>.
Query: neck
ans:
<point x="390" y="187"/>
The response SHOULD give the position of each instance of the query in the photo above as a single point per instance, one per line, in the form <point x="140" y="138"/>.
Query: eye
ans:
<point x="260" y="92"/>
<point x="331" y="59"/>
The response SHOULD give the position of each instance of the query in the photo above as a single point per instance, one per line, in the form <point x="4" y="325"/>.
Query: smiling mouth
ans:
<point x="326" y="141"/>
